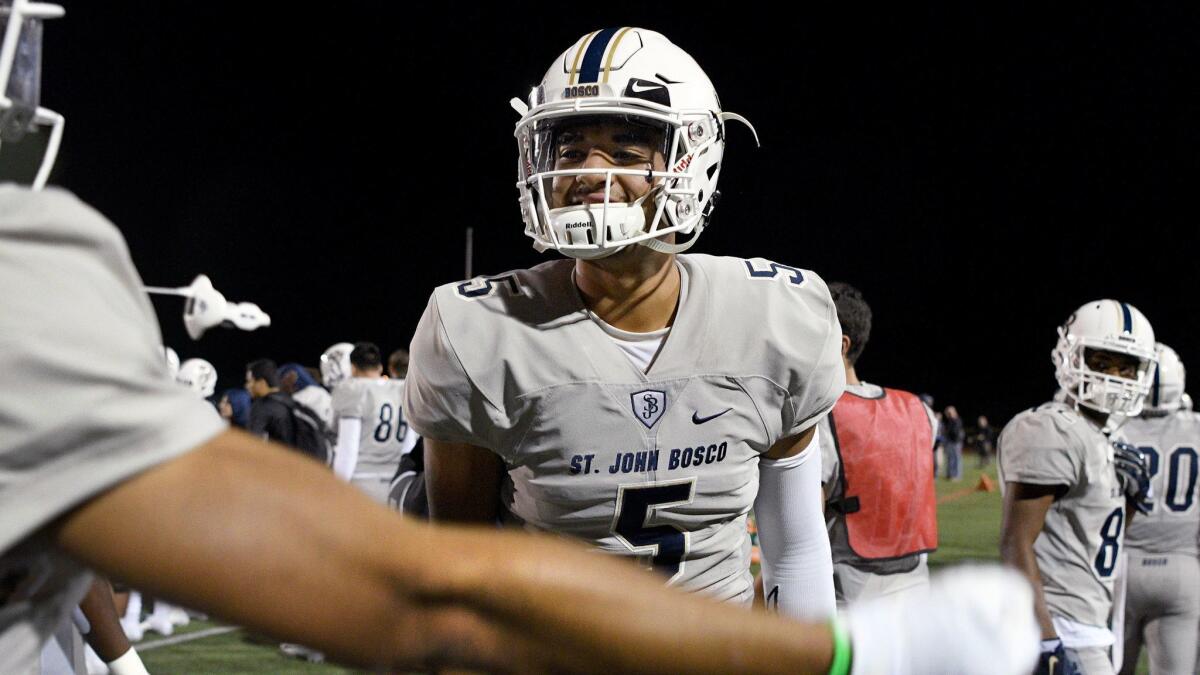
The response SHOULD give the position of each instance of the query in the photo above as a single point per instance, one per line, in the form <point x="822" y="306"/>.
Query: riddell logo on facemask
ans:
<point x="576" y="226"/>
<point x="581" y="90"/>
<point x="683" y="164"/>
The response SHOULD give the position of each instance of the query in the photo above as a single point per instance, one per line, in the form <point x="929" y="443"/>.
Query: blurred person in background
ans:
<point x="234" y="406"/>
<point x="398" y="364"/>
<point x="270" y="412"/>
<point x="952" y="442"/>
<point x="298" y="381"/>
<point x="983" y="440"/>
<point x="877" y="474"/>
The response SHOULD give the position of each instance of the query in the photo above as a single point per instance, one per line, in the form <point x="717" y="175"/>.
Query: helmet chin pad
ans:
<point x="585" y="231"/>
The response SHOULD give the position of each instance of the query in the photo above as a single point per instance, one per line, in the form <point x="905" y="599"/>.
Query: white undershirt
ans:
<point x="641" y="348"/>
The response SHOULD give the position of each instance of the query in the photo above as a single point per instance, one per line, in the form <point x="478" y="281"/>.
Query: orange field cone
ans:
<point x="985" y="484"/>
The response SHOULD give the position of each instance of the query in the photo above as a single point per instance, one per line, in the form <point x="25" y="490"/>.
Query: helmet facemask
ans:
<point x="20" y="88"/>
<point x="1103" y="392"/>
<point x="669" y="144"/>
<point x="636" y="76"/>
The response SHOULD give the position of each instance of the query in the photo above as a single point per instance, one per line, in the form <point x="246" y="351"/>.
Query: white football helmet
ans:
<point x="172" y="359"/>
<point x="21" y="79"/>
<point x="335" y="364"/>
<point x="198" y="375"/>
<point x="1105" y="325"/>
<point x="639" y="77"/>
<point x="1166" y="389"/>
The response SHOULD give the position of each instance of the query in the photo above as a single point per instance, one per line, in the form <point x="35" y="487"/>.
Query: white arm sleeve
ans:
<point x="797" y="565"/>
<point x="345" y="453"/>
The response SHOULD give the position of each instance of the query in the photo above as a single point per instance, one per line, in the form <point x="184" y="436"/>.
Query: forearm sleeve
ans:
<point x="797" y="566"/>
<point x="345" y="453"/>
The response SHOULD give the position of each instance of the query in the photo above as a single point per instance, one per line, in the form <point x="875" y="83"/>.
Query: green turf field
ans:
<point x="969" y="529"/>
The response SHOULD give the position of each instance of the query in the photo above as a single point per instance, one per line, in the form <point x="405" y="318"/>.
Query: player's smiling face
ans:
<point x="605" y="144"/>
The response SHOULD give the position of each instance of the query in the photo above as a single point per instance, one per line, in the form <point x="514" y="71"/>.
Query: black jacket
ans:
<point x="271" y="416"/>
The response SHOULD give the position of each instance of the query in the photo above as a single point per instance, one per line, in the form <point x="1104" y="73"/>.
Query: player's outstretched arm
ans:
<point x="258" y="535"/>
<point x="1025" y="507"/>
<point x="462" y="482"/>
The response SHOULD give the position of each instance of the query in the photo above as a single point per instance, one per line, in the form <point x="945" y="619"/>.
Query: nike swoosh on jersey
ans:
<point x="697" y="419"/>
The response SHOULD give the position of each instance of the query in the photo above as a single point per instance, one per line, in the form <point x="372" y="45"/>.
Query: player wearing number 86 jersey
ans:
<point x="372" y="432"/>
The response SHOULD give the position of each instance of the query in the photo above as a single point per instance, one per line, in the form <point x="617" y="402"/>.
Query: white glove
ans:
<point x="973" y="620"/>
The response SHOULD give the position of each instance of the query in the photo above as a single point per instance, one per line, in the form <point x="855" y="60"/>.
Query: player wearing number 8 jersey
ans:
<point x="372" y="432"/>
<point x="638" y="399"/>
<point x="1162" y="601"/>
<point x="1066" y="482"/>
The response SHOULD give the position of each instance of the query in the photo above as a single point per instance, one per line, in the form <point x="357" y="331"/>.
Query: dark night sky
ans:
<point x="978" y="176"/>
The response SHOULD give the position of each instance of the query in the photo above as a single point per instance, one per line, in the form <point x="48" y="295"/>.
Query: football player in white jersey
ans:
<point x="335" y="364"/>
<point x="372" y="435"/>
<point x="198" y="375"/>
<point x="1066" y="483"/>
<point x="1162" y="597"/>
<point x="638" y="399"/>
<point x="117" y="474"/>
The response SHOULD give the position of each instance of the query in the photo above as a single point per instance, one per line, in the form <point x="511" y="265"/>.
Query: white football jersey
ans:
<point x="1171" y="443"/>
<point x="85" y="400"/>
<point x="385" y="435"/>
<point x="660" y="464"/>
<point x="1077" y="550"/>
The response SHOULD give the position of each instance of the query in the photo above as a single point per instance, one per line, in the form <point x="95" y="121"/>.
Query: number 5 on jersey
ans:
<point x="637" y="506"/>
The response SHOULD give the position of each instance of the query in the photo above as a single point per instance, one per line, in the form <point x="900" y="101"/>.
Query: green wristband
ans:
<point x="841" y="649"/>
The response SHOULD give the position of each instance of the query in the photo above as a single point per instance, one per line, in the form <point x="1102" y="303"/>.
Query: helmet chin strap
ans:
<point x="665" y="247"/>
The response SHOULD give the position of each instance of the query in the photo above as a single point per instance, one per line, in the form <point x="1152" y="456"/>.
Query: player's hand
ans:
<point x="1133" y="470"/>
<point x="972" y="620"/>
<point x="1054" y="660"/>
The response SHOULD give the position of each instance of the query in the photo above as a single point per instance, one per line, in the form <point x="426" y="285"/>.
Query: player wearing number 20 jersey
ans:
<point x="662" y="464"/>
<point x="1162" y="603"/>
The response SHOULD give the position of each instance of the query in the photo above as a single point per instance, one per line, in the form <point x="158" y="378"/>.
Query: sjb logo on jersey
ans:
<point x="649" y="405"/>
